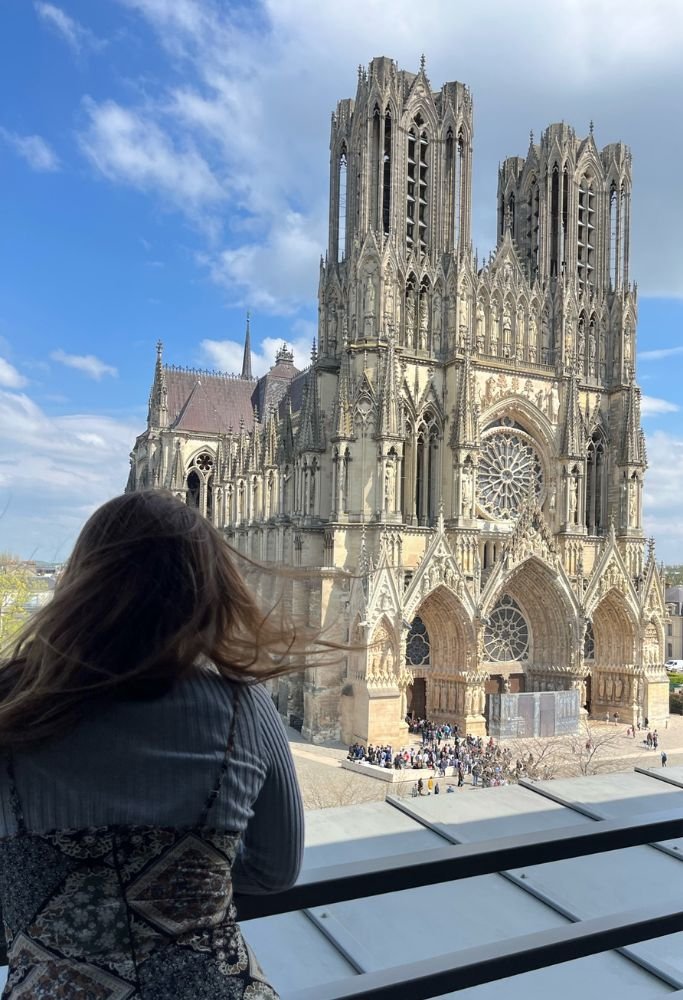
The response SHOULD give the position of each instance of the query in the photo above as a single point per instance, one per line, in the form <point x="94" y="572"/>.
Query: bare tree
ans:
<point x="588" y="752"/>
<point x="542" y="757"/>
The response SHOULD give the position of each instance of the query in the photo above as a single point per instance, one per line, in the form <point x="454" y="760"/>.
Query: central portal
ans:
<point x="417" y="698"/>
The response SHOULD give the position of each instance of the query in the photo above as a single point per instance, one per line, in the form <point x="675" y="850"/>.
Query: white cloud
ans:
<point x="227" y="355"/>
<point x="257" y="91"/>
<point x="650" y="405"/>
<point x="662" y="495"/>
<point x="54" y="471"/>
<point x="10" y="378"/>
<point x="34" y="149"/>
<point x="87" y="363"/>
<point x="74" y="34"/>
<point x="660" y="353"/>
<point x="129" y="147"/>
<point x="274" y="275"/>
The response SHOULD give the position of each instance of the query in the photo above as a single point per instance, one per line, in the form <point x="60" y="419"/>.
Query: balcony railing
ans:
<point x="487" y="963"/>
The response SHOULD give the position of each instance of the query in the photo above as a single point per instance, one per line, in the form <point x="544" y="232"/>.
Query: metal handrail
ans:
<point x="498" y="960"/>
<point x="360" y="879"/>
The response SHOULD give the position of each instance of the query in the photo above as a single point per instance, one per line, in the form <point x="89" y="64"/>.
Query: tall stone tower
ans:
<point x="460" y="469"/>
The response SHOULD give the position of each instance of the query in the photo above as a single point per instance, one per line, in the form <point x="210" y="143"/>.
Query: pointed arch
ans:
<point x="615" y="630"/>
<point x="450" y="631"/>
<point x="547" y="604"/>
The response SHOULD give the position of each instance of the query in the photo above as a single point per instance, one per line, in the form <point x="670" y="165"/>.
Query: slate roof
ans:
<point x="208" y="402"/>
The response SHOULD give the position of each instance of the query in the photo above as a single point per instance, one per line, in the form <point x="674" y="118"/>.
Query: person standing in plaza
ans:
<point x="148" y="776"/>
<point x="664" y="758"/>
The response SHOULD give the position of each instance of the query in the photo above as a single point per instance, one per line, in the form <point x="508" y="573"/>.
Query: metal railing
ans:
<point x="476" y="966"/>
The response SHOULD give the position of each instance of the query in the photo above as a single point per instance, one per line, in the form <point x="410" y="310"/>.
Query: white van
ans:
<point x="674" y="666"/>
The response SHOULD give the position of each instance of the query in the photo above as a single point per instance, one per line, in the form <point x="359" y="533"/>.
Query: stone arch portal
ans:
<point x="531" y="630"/>
<point x="441" y="655"/>
<point x="618" y="686"/>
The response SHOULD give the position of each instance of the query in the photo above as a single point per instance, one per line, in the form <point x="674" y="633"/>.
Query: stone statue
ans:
<point x="480" y="327"/>
<point x="424" y="323"/>
<point x="389" y="302"/>
<point x="627" y="345"/>
<point x="370" y="297"/>
<point x="450" y="316"/>
<point x="591" y="349"/>
<point x="553" y="398"/>
<point x="533" y="339"/>
<point x="581" y="339"/>
<point x="573" y="498"/>
<point x="507" y="333"/>
<point x="467" y="493"/>
<point x="569" y="342"/>
<point x="410" y="316"/>
<point x="632" y="504"/>
<point x="494" y="331"/>
<point x="436" y="323"/>
<point x="332" y="327"/>
<point x="389" y="488"/>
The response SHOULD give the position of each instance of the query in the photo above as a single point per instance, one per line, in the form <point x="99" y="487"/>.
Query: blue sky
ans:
<point x="164" y="168"/>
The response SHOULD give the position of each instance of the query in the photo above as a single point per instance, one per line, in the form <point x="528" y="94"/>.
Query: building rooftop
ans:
<point x="365" y="935"/>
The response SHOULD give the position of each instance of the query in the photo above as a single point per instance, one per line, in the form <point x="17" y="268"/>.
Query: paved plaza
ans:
<point x="325" y="784"/>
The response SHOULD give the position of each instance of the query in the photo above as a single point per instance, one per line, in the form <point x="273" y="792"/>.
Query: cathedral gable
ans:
<point x="610" y="573"/>
<point x="438" y="567"/>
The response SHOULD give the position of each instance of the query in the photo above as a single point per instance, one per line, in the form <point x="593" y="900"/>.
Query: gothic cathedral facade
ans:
<point x="460" y="470"/>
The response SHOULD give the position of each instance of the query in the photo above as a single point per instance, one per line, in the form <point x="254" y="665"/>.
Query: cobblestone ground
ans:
<point x="324" y="783"/>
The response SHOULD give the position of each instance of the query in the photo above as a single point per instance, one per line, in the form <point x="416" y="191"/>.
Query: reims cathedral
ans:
<point x="460" y="469"/>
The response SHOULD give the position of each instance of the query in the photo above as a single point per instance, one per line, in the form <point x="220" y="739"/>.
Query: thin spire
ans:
<point x="246" y="360"/>
<point x="157" y="413"/>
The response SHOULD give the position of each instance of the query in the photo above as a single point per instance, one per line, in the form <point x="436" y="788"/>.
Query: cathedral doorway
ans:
<point x="529" y="629"/>
<point x="417" y="698"/>
<point x="615" y="686"/>
<point x="440" y="647"/>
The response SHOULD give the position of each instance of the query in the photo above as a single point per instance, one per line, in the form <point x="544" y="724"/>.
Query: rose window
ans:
<point x="509" y="467"/>
<point x="204" y="462"/>
<point x="507" y="633"/>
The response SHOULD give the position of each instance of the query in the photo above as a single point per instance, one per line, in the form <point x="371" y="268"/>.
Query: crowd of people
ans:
<point x="447" y="754"/>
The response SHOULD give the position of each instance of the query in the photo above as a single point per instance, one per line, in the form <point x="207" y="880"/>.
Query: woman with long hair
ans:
<point x="148" y="776"/>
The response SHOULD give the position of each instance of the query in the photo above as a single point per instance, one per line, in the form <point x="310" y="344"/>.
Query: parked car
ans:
<point x="674" y="666"/>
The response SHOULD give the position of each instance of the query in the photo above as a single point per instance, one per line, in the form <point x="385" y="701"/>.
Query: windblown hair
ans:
<point x="151" y="588"/>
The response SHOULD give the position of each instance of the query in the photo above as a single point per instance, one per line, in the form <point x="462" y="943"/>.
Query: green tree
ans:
<point x="16" y="586"/>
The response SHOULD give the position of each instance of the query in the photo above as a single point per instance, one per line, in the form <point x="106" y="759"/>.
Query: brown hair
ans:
<point x="151" y="587"/>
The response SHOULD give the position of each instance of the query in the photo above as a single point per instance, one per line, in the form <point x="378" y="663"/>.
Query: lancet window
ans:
<point x="613" y="236"/>
<point x="200" y="484"/>
<point x="417" y="644"/>
<point x="386" y="175"/>
<point x="194" y="488"/>
<point x="341" y="201"/>
<point x="589" y="643"/>
<point x="585" y="234"/>
<point x="417" y="193"/>
<point x="532" y="228"/>
<point x="559" y="197"/>
<point x="426" y="469"/>
<point x="595" y="484"/>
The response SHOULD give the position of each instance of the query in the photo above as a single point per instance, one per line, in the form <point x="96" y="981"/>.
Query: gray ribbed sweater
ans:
<point x="155" y="762"/>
